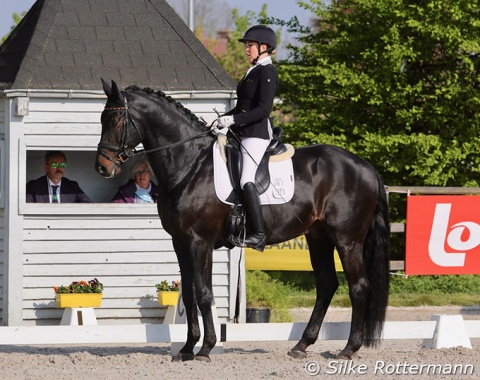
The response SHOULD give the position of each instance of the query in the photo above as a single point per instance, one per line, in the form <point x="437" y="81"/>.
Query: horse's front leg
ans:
<point x="196" y="273"/>
<point x="188" y="297"/>
<point x="202" y="263"/>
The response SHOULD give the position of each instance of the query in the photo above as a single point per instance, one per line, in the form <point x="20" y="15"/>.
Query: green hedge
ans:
<point x="399" y="283"/>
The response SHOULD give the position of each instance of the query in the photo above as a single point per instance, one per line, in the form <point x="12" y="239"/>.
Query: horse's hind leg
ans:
<point x="322" y="259"/>
<point x="354" y="269"/>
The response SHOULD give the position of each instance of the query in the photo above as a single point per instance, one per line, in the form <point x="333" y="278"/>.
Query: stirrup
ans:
<point x="237" y="242"/>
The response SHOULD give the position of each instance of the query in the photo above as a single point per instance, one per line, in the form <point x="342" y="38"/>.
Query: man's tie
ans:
<point x="54" y="194"/>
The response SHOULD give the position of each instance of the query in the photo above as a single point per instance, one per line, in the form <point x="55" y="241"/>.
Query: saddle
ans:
<point x="234" y="160"/>
<point x="235" y="223"/>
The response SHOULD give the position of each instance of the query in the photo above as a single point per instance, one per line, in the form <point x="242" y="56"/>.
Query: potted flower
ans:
<point x="79" y="294"/>
<point x="168" y="293"/>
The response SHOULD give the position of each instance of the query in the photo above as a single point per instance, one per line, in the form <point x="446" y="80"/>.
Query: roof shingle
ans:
<point x="71" y="44"/>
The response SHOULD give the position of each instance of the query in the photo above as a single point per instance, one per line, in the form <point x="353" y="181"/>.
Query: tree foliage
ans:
<point x="395" y="81"/>
<point x="16" y="20"/>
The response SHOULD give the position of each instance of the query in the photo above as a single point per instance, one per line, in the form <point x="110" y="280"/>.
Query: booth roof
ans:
<point x="71" y="44"/>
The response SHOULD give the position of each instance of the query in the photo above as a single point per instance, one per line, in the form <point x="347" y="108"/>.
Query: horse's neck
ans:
<point x="178" y="165"/>
<point x="172" y="129"/>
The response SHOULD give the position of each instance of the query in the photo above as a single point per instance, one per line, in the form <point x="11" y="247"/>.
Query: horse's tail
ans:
<point x="377" y="263"/>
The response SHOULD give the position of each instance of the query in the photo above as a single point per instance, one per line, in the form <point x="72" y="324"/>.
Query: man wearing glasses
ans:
<point x="54" y="187"/>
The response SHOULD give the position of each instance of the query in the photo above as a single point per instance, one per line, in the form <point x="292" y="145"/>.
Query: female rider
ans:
<point x="250" y="122"/>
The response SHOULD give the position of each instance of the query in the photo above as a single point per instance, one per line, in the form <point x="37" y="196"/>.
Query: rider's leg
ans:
<point x="253" y="150"/>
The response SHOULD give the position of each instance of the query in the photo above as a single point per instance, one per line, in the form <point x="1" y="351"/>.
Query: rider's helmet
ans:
<point x="261" y="34"/>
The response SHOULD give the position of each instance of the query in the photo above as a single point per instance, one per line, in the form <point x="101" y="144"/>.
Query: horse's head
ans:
<point x="117" y="141"/>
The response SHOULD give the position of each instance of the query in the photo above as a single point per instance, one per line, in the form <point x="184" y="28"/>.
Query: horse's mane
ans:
<point x="179" y="106"/>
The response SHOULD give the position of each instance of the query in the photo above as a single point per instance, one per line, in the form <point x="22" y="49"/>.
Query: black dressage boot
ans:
<point x="255" y="226"/>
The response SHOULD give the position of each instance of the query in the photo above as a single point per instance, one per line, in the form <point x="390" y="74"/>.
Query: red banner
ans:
<point x="443" y="235"/>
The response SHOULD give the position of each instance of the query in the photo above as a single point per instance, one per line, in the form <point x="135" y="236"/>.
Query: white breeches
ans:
<point x="253" y="150"/>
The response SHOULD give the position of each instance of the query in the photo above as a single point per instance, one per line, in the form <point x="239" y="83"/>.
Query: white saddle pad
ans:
<point x="279" y="191"/>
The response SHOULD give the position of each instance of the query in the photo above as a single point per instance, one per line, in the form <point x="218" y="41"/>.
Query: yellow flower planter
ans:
<point x="168" y="298"/>
<point x="78" y="299"/>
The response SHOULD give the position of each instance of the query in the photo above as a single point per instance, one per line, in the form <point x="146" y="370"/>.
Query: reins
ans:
<point x="143" y="151"/>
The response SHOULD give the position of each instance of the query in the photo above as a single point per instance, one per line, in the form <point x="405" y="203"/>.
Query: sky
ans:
<point x="7" y="9"/>
<point x="283" y="9"/>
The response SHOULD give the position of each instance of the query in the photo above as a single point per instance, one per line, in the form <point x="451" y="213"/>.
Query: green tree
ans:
<point x="395" y="81"/>
<point x="16" y="20"/>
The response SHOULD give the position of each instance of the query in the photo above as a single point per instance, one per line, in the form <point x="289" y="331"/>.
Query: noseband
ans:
<point x="123" y="152"/>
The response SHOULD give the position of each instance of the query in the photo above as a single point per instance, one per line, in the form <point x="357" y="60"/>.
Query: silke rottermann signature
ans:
<point x="381" y="367"/>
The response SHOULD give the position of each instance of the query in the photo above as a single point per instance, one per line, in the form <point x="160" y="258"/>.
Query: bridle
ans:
<point x="124" y="152"/>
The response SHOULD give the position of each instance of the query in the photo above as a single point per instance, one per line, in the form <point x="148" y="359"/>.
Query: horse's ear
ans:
<point x="116" y="93"/>
<point x="106" y="88"/>
<point x="113" y="92"/>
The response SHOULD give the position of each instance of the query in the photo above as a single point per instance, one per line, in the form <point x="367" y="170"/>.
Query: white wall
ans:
<point x="124" y="246"/>
<point x="2" y="230"/>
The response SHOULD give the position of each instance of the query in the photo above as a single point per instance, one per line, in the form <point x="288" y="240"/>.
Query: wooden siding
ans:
<point x="2" y="259"/>
<point x="3" y="103"/>
<point x="128" y="251"/>
<point x="2" y="116"/>
<point x="124" y="246"/>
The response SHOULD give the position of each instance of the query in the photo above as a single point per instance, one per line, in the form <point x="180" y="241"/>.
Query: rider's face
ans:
<point x="251" y="49"/>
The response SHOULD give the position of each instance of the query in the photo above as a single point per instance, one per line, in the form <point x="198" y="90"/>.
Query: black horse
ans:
<point x="339" y="202"/>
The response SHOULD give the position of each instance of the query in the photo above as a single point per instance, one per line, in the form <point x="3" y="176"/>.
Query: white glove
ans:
<point x="225" y="122"/>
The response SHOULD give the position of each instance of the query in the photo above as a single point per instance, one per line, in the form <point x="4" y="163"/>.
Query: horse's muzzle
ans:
<point x="104" y="172"/>
<point x="106" y="167"/>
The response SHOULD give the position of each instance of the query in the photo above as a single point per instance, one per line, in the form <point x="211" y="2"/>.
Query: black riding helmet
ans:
<point x="261" y="34"/>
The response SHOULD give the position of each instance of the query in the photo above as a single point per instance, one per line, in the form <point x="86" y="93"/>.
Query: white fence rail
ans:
<point x="444" y="331"/>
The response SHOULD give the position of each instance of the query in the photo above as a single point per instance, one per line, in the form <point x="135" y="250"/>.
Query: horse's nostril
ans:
<point x="100" y="169"/>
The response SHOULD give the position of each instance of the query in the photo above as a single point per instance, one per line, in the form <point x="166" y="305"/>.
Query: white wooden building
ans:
<point x="51" y="98"/>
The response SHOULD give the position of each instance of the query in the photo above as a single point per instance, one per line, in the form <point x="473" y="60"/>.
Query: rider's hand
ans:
<point x="225" y="121"/>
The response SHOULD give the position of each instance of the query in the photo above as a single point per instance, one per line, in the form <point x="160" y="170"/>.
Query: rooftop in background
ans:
<point x="217" y="45"/>
<point x="71" y="44"/>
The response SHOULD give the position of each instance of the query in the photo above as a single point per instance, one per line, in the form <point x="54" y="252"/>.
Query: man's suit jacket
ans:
<point x="70" y="191"/>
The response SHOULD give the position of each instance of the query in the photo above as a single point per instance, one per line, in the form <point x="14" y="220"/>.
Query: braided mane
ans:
<point x="169" y="99"/>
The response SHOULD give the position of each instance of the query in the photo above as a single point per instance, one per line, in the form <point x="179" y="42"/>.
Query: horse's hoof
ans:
<point x="201" y="358"/>
<point x="297" y="354"/>
<point x="343" y="356"/>
<point x="183" y="357"/>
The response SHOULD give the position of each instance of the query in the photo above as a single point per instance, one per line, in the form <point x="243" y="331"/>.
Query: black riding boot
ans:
<point x="255" y="226"/>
